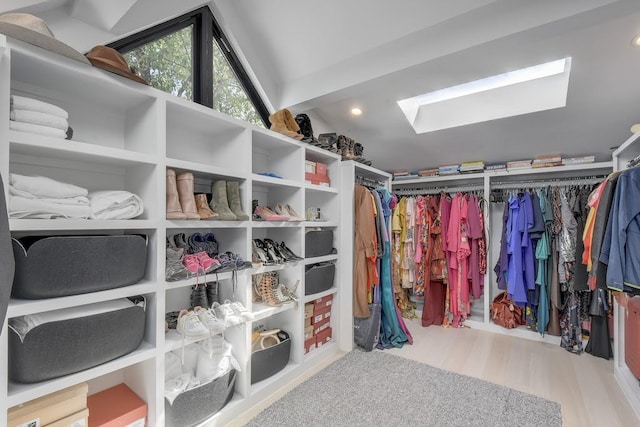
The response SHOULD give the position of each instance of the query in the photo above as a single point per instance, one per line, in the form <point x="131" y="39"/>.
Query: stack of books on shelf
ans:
<point x="428" y="172"/>
<point x="498" y="167"/>
<point x="403" y="174"/>
<point x="578" y="160"/>
<point x="449" y="170"/>
<point x="518" y="165"/>
<point x="471" y="167"/>
<point x="547" y="161"/>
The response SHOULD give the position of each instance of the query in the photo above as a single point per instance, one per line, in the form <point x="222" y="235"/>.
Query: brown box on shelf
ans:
<point x="323" y="337"/>
<point x="321" y="169"/>
<point x="317" y="179"/>
<point x="321" y="326"/>
<point x="308" y="310"/>
<point x="50" y="408"/>
<point x="308" y="332"/>
<point x="307" y="322"/>
<point x="116" y="406"/>
<point x="79" y="419"/>
<point x="319" y="316"/>
<point x="321" y="304"/>
<point x="309" y="344"/>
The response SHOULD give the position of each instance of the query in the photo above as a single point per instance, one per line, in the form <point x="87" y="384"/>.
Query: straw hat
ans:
<point x="33" y="30"/>
<point x="111" y="60"/>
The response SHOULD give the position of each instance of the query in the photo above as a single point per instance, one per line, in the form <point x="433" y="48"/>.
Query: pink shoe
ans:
<point x="206" y="262"/>
<point x="268" y="215"/>
<point x="191" y="262"/>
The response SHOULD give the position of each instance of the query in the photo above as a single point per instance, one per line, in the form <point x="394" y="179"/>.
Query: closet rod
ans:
<point x="547" y="183"/>
<point x="436" y="190"/>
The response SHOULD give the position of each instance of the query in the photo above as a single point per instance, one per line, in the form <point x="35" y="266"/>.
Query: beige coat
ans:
<point x="364" y="251"/>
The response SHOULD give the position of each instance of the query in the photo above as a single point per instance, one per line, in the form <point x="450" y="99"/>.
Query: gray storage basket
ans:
<point x="270" y="361"/>
<point x="318" y="243"/>
<point x="57" y="266"/>
<point x="64" y="347"/>
<point x="196" y="405"/>
<point x="319" y="277"/>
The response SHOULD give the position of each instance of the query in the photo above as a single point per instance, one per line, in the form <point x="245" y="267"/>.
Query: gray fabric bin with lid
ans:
<point x="318" y="243"/>
<point x="54" y="349"/>
<point x="57" y="266"/>
<point x="319" y="277"/>
<point x="196" y="405"/>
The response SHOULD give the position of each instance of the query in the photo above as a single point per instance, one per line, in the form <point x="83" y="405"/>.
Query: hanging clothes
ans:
<point x="365" y="240"/>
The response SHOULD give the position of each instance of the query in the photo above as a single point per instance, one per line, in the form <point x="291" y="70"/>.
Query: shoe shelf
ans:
<point x="269" y="181"/>
<point x="320" y="353"/>
<point x="209" y="277"/>
<point x="321" y="188"/>
<point x="20" y="393"/>
<point x="314" y="260"/>
<point x="309" y="298"/>
<point x="275" y="224"/>
<point x="23" y="307"/>
<point x="210" y="224"/>
<point x="206" y="171"/>
<point x="264" y="311"/>
<point x="174" y="341"/>
<point x="278" y="155"/>
<point x="276" y="267"/>
<point x="320" y="224"/>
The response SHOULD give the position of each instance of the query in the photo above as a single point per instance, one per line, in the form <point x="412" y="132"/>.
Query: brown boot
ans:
<point x="204" y="210"/>
<point x="174" y="211"/>
<point x="185" y="193"/>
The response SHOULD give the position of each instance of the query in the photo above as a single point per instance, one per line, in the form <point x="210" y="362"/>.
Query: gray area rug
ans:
<point x="379" y="389"/>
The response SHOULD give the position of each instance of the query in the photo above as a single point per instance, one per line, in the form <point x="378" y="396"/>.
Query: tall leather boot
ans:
<point x="204" y="210"/>
<point x="185" y="193"/>
<point x="233" y="194"/>
<point x="219" y="202"/>
<point x="174" y="210"/>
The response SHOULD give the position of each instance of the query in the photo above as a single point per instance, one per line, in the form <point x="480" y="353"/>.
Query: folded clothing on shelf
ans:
<point x="115" y="205"/>
<point x="35" y="116"/>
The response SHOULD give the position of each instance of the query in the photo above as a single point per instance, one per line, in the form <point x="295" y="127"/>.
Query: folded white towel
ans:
<point x="45" y="187"/>
<point x="115" y="205"/>
<point x="22" y="207"/>
<point x="24" y="103"/>
<point x="78" y="200"/>
<point x="39" y="129"/>
<point x="38" y="118"/>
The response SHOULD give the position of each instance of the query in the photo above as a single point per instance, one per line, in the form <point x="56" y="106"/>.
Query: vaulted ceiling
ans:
<point x="325" y="57"/>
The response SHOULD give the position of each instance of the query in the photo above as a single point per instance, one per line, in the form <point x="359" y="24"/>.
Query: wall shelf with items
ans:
<point x="126" y="138"/>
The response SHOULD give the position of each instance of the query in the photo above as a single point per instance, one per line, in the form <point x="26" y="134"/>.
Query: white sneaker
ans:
<point x="224" y="311"/>
<point x="190" y="326"/>
<point x="241" y="311"/>
<point x="208" y="318"/>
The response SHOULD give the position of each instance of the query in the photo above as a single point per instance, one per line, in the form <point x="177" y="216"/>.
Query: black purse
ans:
<point x="366" y="330"/>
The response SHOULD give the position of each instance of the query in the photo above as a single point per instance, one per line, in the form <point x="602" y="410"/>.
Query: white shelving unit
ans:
<point x="629" y="150"/>
<point x="480" y="312"/>
<point x="125" y="136"/>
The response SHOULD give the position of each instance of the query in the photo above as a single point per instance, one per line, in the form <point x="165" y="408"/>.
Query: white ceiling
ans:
<point x="325" y="57"/>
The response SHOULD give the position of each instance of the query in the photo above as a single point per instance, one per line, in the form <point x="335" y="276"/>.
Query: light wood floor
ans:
<point x="583" y="385"/>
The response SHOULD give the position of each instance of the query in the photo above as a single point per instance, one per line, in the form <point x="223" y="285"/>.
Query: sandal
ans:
<point x="268" y="215"/>
<point x="264" y="287"/>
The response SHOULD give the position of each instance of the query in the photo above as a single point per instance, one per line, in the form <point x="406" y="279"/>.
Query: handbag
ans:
<point x="366" y="330"/>
<point x="505" y="313"/>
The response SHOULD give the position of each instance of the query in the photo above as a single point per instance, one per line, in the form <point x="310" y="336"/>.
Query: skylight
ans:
<point x="537" y="88"/>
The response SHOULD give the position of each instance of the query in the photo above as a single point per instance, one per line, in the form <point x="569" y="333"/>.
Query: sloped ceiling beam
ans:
<point x="103" y="14"/>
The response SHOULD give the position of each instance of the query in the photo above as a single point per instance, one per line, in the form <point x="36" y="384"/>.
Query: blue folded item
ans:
<point x="272" y="175"/>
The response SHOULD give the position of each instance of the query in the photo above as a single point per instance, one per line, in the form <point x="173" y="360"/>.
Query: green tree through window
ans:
<point x="167" y="64"/>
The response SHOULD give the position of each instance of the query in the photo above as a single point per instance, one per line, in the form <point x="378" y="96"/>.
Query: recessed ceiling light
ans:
<point x="356" y="111"/>
<point x="636" y="41"/>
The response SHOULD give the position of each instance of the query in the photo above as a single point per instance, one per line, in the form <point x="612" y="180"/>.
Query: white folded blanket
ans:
<point x="22" y="207"/>
<point x="115" y="205"/>
<point x="38" y="129"/>
<point x="38" y="118"/>
<point x="42" y="186"/>
<point x="78" y="200"/>
<point x="24" y="103"/>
